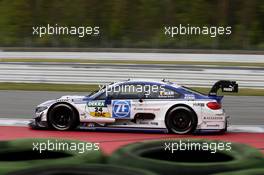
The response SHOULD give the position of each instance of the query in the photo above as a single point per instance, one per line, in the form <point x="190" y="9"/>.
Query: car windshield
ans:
<point x="100" y="89"/>
<point x="193" y="91"/>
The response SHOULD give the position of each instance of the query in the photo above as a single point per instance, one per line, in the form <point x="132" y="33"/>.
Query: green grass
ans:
<point x="89" y="88"/>
<point x="48" y="87"/>
<point x="130" y="62"/>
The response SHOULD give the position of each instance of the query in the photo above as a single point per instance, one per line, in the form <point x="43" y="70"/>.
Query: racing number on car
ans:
<point x="98" y="112"/>
<point x="98" y="108"/>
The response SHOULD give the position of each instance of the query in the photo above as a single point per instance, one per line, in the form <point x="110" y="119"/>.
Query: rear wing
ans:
<point x="225" y="85"/>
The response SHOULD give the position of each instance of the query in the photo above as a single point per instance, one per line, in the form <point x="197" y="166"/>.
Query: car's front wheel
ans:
<point x="181" y="120"/>
<point x="62" y="117"/>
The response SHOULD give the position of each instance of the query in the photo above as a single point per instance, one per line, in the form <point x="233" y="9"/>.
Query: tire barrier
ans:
<point x="258" y="171"/>
<point x="92" y="169"/>
<point x="29" y="153"/>
<point x="157" y="157"/>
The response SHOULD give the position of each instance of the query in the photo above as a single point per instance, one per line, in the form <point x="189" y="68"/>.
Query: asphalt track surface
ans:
<point x="20" y="104"/>
<point x="244" y="110"/>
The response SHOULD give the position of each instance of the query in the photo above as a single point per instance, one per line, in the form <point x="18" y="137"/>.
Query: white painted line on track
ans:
<point x="137" y="56"/>
<point x="231" y="128"/>
<point x="14" y="122"/>
<point x="246" y="128"/>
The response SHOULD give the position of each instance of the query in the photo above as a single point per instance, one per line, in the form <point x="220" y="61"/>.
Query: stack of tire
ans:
<point x="92" y="169"/>
<point x="19" y="158"/>
<point x="256" y="171"/>
<point x="20" y="154"/>
<point x="144" y="158"/>
<point x="154" y="157"/>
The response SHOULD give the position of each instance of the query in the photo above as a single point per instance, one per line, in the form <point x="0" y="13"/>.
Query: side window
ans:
<point x="102" y="96"/>
<point x="127" y="91"/>
<point x="163" y="93"/>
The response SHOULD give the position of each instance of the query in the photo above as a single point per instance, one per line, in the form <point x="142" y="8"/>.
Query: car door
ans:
<point x="124" y="100"/>
<point x="117" y="103"/>
<point x="157" y="99"/>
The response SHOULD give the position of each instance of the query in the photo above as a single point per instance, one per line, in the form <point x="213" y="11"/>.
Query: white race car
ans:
<point x="137" y="105"/>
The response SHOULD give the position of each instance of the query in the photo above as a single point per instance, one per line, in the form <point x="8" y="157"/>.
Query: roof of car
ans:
<point x="166" y="82"/>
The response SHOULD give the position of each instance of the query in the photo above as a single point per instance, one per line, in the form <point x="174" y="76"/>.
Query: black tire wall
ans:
<point x="152" y="156"/>
<point x="19" y="154"/>
<point x="257" y="171"/>
<point x="92" y="169"/>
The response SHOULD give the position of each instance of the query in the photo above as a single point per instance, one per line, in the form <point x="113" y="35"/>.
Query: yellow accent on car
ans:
<point x="100" y="114"/>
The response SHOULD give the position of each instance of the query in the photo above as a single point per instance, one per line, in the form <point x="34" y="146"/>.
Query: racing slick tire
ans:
<point x="180" y="120"/>
<point x="94" y="169"/>
<point x="23" y="154"/>
<point x="62" y="117"/>
<point x="154" y="156"/>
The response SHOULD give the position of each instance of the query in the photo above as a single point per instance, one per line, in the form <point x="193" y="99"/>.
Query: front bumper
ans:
<point x="36" y="123"/>
<point x="32" y="124"/>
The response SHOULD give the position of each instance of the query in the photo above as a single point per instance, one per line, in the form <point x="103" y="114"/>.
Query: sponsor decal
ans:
<point x="99" y="112"/>
<point x="147" y="109"/>
<point x="121" y="109"/>
<point x="96" y="103"/>
<point x="143" y="123"/>
<point x="214" y="118"/>
<point x="154" y="123"/>
<point x="229" y="89"/>
<point x="147" y="123"/>
<point x="199" y="104"/>
<point x="88" y="125"/>
<point x="166" y="94"/>
<point x="213" y="125"/>
<point x="189" y="96"/>
<point x="63" y="100"/>
<point x="97" y="108"/>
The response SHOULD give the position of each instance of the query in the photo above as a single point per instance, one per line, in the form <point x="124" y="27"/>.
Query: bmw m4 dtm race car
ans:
<point x="136" y="105"/>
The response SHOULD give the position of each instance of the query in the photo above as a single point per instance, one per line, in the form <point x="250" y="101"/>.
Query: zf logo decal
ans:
<point x="121" y="109"/>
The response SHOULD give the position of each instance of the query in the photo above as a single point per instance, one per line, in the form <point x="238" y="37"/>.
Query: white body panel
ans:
<point x="207" y="118"/>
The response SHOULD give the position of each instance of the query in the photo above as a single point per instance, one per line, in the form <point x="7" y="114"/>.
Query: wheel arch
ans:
<point x="69" y="104"/>
<point x="181" y="105"/>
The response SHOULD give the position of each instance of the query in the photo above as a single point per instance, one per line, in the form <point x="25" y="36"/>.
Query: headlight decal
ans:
<point x="40" y="109"/>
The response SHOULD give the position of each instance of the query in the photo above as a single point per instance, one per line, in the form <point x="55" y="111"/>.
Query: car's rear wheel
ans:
<point x="181" y="120"/>
<point x="62" y="117"/>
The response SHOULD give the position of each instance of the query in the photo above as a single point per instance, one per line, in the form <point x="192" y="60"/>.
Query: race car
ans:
<point x="138" y="105"/>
